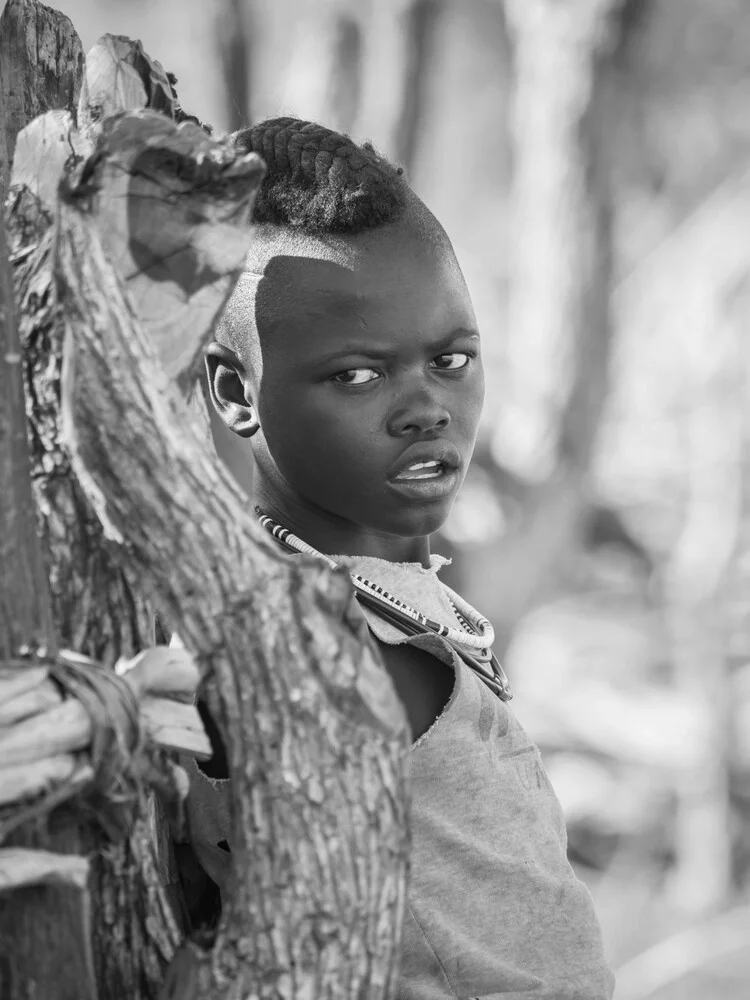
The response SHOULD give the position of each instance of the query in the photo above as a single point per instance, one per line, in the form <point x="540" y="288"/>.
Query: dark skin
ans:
<point x="367" y="347"/>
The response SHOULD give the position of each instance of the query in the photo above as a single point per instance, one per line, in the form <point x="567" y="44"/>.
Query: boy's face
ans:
<point x="371" y="384"/>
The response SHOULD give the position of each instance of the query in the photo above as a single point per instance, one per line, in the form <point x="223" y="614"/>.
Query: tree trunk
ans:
<point x="117" y="938"/>
<point x="315" y="734"/>
<point x="44" y="930"/>
<point x="40" y="924"/>
<point x="559" y="329"/>
<point x="41" y="64"/>
<point x="314" y="731"/>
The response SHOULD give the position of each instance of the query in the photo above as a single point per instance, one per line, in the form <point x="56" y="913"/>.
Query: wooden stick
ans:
<point x="39" y="699"/>
<point x="15" y="682"/>
<point x="28" y="780"/>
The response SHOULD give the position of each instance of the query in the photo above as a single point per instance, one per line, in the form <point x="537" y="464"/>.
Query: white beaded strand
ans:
<point x="483" y="635"/>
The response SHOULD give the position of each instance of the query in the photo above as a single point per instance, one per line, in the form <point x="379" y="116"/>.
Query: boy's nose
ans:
<point x="419" y="415"/>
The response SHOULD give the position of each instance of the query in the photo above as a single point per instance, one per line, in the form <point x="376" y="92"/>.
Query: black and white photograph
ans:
<point x="375" y="500"/>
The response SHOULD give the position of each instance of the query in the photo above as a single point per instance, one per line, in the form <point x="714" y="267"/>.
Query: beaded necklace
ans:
<point x="472" y="642"/>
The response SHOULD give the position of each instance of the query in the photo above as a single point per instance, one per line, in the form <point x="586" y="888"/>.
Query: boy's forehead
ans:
<point x="296" y="284"/>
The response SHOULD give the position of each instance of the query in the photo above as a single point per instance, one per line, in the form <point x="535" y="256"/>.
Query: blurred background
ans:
<point x="590" y="160"/>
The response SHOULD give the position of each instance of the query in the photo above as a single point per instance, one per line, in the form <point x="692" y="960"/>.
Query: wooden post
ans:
<point x="25" y="618"/>
<point x="116" y="937"/>
<point x="41" y="924"/>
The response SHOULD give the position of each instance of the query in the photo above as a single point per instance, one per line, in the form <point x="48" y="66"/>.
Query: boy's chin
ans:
<point x="419" y="523"/>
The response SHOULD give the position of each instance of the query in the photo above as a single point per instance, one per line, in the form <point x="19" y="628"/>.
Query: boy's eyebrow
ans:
<point x="375" y="354"/>
<point x="461" y="332"/>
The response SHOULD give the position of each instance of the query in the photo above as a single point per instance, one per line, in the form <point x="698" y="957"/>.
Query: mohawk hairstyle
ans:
<point x="319" y="181"/>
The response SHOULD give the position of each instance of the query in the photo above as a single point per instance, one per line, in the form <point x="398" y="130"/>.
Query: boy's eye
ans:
<point x="355" y="376"/>
<point x="453" y="361"/>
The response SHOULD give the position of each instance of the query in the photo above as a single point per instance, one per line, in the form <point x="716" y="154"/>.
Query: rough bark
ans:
<point x="314" y="732"/>
<point x="119" y="937"/>
<point x="40" y="924"/>
<point x="41" y="64"/>
<point x="559" y="328"/>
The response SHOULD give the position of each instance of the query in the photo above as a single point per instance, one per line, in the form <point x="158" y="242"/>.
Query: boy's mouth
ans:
<point x="422" y="470"/>
<point x="427" y="471"/>
<point x="425" y="460"/>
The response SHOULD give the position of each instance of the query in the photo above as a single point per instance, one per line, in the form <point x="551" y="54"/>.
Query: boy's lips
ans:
<point x="436" y="487"/>
<point x="428" y="470"/>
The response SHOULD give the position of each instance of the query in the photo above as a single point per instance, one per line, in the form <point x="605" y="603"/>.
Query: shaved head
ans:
<point x="270" y="284"/>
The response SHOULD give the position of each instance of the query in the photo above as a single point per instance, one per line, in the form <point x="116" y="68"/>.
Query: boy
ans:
<point x="349" y="359"/>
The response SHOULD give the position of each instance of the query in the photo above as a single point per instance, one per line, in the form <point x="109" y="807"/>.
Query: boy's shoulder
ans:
<point x="423" y="682"/>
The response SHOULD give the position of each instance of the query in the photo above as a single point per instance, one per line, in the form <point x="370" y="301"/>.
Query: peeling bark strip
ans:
<point x="41" y="65"/>
<point x="315" y="734"/>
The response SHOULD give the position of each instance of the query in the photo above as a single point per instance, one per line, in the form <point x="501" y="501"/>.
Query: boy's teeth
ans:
<point x="434" y="468"/>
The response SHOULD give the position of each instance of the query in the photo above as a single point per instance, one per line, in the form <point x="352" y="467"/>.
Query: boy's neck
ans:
<point x="332" y="535"/>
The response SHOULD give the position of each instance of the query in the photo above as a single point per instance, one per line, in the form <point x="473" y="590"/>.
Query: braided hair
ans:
<point x="319" y="181"/>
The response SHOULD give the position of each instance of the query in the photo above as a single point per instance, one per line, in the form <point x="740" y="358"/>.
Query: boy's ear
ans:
<point x="230" y="390"/>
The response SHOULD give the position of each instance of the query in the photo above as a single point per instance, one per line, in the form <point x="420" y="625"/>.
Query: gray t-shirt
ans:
<point x="494" y="907"/>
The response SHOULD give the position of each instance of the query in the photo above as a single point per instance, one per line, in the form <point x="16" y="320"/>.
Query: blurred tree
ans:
<point x="696" y="594"/>
<point x="345" y="82"/>
<point x="322" y="81"/>
<point x="234" y="40"/>
<point x="400" y="35"/>
<point x="556" y="353"/>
